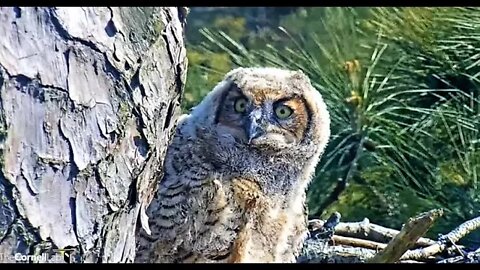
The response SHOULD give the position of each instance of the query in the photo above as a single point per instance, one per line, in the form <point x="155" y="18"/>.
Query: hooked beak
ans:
<point x="254" y="128"/>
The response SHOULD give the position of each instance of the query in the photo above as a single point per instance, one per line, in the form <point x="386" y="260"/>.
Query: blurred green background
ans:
<point x="402" y="87"/>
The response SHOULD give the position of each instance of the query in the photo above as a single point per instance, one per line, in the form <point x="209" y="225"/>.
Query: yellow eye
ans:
<point x="283" y="111"/>
<point x="240" y="105"/>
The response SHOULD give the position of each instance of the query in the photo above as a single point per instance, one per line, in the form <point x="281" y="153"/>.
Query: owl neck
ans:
<point x="278" y="174"/>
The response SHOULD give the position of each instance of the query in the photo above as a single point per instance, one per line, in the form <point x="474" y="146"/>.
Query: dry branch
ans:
<point x="454" y="236"/>
<point x="357" y="242"/>
<point x="464" y="229"/>
<point x="407" y="237"/>
<point x="319" y="251"/>
<point x="368" y="231"/>
<point x="410" y="261"/>
<point x="452" y="260"/>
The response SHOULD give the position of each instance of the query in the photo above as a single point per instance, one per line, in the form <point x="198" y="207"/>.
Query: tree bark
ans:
<point x="89" y="101"/>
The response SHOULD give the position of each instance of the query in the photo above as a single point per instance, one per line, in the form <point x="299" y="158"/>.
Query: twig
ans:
<point x="373" y="232"/>
<point x="454" y="236"/>
<point x="358" y="242"/>
<point x="410" y="261"/>
<point x="457" y="248"/>
<point x="464" y="229"/>
<point x="452" y="260"/>
<point x="407" y="237"/>
<point x="318" y="251"/>
<point x="368" y="231"/>
<point x="470" y="257"/>
<point x="350" y="241"/>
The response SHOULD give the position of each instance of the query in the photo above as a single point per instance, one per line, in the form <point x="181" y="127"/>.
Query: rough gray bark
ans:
<point x="88" y="103"/>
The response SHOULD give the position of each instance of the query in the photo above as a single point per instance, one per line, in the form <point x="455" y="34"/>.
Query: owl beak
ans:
<point x="254" y="129"/>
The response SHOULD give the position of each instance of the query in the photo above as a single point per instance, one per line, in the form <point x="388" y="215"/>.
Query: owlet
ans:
<point x="236" y="172"/>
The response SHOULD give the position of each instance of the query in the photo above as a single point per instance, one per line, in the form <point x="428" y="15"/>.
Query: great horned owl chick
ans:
<point x="236" y="172"/>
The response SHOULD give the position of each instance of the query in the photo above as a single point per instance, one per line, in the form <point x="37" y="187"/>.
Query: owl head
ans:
<point x="269" y="109"/>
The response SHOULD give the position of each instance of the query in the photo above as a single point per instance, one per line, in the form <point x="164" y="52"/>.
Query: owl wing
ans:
<point x="146" y="202"/>
<point x="184" y="225"/>
<point x="186" y="210"/>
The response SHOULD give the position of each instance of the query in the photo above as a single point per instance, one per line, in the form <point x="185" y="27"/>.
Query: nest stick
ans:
<point x="408" y="236"/>
<point x="453" y="236"/>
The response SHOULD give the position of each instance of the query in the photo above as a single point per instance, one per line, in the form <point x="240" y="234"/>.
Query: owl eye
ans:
<point x="283" y="111"/>
<point x="240" y="105"/>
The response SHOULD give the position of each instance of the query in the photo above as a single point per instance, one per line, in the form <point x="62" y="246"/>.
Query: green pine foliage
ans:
<point x="402" y="88"/>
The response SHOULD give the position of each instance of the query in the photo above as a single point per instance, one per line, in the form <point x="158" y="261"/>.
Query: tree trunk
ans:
<point x="89" y="100"/>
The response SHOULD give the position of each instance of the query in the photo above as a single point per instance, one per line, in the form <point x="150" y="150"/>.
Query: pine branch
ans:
<point x="342" y="183"/>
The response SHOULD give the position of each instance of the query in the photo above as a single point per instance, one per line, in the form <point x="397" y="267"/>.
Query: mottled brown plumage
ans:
<point x="236" y="172"/>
